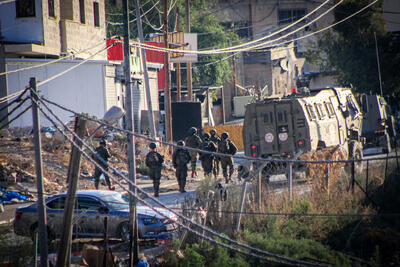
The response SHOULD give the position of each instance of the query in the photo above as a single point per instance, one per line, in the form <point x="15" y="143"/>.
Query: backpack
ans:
<point x="182" y="157"/>
<point x="153" y="160"/>
<point x="223" y="147"/>
<point x="232" y="148"/>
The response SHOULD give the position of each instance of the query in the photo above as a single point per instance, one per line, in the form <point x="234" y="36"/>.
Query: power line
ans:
<point x="238" y="48"/>
<point x="131" y="21"/>
<point x="16" y="117"/>
<point x="269" y="254"/>
<point x="51" y="62"/>
<point x="6" y="1"/>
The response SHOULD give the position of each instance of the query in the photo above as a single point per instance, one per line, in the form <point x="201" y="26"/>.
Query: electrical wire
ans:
<point x="130" y="12"/>
<point x="6" y="1"/>
<point x="237" y="47"/>
<point x="75" y="66"/>
<point x="293" y="262"/>
<point x="51" y="62"/>
<point x="131" y="21"/>
<point x="14" y="109"/>
<point x="11" y="96"/>
<point x="15" y="100"/>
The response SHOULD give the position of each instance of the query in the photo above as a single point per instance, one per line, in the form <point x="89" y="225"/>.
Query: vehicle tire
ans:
<point x="124" y="231"/>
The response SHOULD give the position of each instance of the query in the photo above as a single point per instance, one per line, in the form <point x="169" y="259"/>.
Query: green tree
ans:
<point x="351" y="52"/>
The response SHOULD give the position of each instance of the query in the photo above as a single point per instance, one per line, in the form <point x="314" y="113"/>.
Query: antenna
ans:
<point x="379" y="66"/>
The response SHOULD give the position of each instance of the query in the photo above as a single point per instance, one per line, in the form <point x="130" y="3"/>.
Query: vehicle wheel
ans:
<point x="123" y="231"/>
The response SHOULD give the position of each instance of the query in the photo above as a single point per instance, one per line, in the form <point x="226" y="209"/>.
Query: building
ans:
<point x="33" y="32"/>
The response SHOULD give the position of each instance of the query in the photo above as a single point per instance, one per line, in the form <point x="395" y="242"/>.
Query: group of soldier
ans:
<point x="181" y="157"/>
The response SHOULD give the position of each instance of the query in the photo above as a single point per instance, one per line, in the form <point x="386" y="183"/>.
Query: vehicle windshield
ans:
<point x="116" y="201"/>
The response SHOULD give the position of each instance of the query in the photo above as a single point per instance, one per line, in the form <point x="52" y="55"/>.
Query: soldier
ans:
<point x="180" y="159"/>
<point x="193" y="141"/>
<point x="215" y="139"/>
<point x="226" y="146"/>
<point x="207" y="159"/>
<point x="154" y="162"/>
<point x="102" y="152"/>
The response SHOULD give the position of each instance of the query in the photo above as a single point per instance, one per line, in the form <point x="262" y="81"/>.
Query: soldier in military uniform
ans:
<point x="215" y="139"/>
<point x="154" y="162"/>
<point x="102" y="152"/>
<point x="207" y="159"/>
<point x="180" y="159"/>
<point x="226" y="146"/>
<point x="193" y="141"/>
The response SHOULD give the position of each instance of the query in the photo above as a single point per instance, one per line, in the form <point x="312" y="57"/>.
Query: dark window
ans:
<point x="82" y="11"/>
<point x="311" y="113"/>
<point x="25" y="8"/>
<point x="96" y="14"/>
<point x="51" y="8"/>
<point x="329" y="108"/>
<point x="87" y="203"/>
<point x="57" y="203"/>
<point x="290" y="15"/>
<point x="320" y="111"/>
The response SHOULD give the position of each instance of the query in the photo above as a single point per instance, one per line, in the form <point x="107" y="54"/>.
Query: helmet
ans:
<point x="103" y="141"/>
<point x="192" y="131"/>
<point x="224" y="135"/>
<point x="213" y="132"/>
<point x="206" y="136"/>
<point x="180" y="143"/>
<point x="152" y="145"/>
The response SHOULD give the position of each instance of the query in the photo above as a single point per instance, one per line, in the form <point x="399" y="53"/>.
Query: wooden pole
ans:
<point x="105" y="241"/>
<point x="178" y="66"/>
<point x="39" y="177"/>
<point x="73" y="178"/>
<point x="133" y="233"/>
<point x="242" y="200"/>
<point x="290" y="181"/>
<point x="145" y="73"/>
<point x="167" y="89"/>
<point x="188" y="64"/>
<point x="223" y="104"/>
<point x="259" y="188"/>
<point x="366" y="178"/>
<point x="352" y="176"/>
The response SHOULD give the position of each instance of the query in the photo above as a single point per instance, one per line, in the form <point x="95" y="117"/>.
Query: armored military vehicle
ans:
<point x="378" y="123"/>
<point x="303" y="121"/>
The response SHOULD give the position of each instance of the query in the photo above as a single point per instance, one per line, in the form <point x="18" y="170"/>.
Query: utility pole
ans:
<point x="39" y="177"/>
<point x="167" y="89"/>
<point x="178" y="65"/>
<point x="188" y="64"/>
<point x="73" y="177"/>
<point x="146" y="74"/>
<point x="133" y="244"/>
<point x="234" y="75"/>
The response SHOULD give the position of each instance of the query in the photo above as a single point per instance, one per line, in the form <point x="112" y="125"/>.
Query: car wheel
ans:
<point x="123" y="231"/>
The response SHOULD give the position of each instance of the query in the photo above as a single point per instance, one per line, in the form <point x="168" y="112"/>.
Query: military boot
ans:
<point x="183" y="183"/>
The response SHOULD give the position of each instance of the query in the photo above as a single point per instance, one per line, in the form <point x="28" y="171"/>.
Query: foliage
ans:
<point x="351" y="50"/>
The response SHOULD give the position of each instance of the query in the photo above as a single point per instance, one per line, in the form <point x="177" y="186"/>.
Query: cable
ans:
<point x="11" y="96"/>
<point x="51" y="62"/>
<point x="15" y="100"/>
<point x="16" y="117"/>
<point x="303" y="263"/>
<point x="131" y="21"/>
<point x="145" y="137"/>
<point x="6" y="1"/>
<point x="130" y="12"/>
<point x="14" y="109"/>
<point x="75" y="66"/>
<point x="234" y="48"/>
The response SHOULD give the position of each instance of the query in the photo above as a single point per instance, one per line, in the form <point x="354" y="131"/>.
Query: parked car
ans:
<point x="91" y="208"/>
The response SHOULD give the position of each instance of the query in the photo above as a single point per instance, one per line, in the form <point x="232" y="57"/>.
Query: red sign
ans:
<point x="115" y="52"/>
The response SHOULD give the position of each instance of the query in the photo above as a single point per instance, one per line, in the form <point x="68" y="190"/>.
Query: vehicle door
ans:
<point x="266" y="129"/>
<point x="55" y="213"/>
<point x="284" y="127"/>
<point x="89" y="220"/>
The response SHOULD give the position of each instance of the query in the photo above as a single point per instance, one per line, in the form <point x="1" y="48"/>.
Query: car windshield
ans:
<point x="116" y="201"/>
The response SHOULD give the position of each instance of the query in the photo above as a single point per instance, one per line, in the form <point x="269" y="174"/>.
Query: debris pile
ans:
<point x="324" y="175"/>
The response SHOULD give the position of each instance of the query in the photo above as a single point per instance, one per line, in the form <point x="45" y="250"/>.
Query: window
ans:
<point x="329" y="108"/>
<point x="87" y="203"/>
<point x="25" y="8"/>
<point x="51" y="8"/>
<point x="286" y="16"/>
<point x="311" y="113"/>
<point x="320" y="111"/>
<point x="58" y="203"/>
<point x="96" y="14"/>
<point x="82" y="11"/>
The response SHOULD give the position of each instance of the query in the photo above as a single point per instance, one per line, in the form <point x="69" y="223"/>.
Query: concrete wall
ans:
<point x="21" y="30"/>
<point x="82" y="89"/>
<point x="79" y="36"/>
